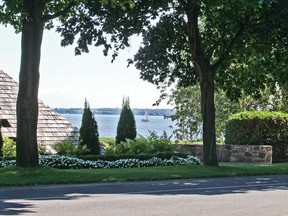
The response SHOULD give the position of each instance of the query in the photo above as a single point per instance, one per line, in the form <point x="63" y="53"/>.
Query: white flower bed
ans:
<point x="7" y="163"/>
<point x="65" y="162"/>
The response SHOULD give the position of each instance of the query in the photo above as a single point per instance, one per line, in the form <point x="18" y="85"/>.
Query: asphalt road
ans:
<point x="260" y="195"/>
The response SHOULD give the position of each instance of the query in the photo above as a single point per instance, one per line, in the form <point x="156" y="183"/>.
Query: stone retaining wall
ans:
<point x="234" y="153"/>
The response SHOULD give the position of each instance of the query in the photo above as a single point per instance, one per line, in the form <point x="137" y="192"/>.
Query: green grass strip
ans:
<point x="14" y="176"/>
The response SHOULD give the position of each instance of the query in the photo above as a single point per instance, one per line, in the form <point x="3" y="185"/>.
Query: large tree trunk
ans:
<point x="1" y="141"/>
<point x="206" y="74"/>
<point x="27" y="102"/>
<point x="208" y="116"/>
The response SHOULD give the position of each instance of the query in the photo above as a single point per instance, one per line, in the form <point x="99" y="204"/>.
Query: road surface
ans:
<point x="260" y="195"/>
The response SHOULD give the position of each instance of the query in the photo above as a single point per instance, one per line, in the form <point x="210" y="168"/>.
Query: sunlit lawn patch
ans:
<point x="46" y="175"/>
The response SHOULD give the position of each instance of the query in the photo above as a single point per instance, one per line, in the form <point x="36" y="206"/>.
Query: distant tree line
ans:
<point x="115" y="111"/>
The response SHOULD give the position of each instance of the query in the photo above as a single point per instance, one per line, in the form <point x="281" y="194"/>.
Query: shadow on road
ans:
<point x="12" y="208"/>
<point x="221" y="186"/>
<point x="15" y="201"/>
<point x="21" y="206"/>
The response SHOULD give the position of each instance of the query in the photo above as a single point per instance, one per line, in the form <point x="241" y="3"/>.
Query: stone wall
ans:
<point x="234" y="153"/>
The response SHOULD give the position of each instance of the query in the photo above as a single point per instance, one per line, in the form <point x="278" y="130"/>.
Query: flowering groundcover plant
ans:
<point x="65" y="162"/>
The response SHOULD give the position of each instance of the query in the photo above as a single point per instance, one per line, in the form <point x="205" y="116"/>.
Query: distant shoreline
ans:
<point x="116" y="111"/>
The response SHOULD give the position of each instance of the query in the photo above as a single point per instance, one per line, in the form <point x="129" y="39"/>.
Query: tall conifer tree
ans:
<point x="126" y="128"/>
<point x="89" y="135"/>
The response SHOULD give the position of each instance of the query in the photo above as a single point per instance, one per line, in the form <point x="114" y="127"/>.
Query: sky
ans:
<point x="66" y="80"/>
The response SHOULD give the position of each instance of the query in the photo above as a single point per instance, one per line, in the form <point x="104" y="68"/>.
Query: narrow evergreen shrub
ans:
<point x="259" y="128"/>
<point x="89" y="135"/>
<point x="126" y="128"/>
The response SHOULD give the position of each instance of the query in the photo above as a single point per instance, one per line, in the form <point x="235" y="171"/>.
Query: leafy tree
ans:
<point x="31" y="17"/>
<point x="89" y="135"/>
<point x="188" y="116"/>
<point x="190" y="41"/>
<point x="126" y="128"/>
<point x="186" y="102"/>
<point x="267" y="100"/>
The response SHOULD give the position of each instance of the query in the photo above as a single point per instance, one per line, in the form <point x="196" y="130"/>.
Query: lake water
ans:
<point x="107" y="124"/>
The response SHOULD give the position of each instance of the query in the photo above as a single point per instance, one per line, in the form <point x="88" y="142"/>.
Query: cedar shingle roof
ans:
<point x="52" y="127"/>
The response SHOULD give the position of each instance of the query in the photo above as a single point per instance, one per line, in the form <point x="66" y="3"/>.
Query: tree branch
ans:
<point x="216" y="44"/>
<point x="60" y="13"/>
<point x="229" y="48"/>
<point x="195" y="44"/>
<point x="193" y="31"/>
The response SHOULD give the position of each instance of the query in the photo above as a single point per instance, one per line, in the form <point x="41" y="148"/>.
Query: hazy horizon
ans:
<point x="142" y="108"/>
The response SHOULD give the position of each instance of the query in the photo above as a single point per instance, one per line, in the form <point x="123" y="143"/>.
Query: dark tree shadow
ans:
<point x="20" y="206"/>
<point x="12" y="208"/>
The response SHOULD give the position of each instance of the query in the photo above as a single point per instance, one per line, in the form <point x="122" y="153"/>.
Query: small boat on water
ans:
<point x="146" y="118"/>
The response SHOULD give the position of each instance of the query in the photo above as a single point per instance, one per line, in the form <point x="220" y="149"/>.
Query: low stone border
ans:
<point x="234" y="153"/>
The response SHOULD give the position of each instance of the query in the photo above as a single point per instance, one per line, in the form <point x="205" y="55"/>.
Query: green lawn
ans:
<point x="45" y="175"/>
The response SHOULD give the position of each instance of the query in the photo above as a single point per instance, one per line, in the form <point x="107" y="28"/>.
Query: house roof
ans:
<point x="52" y="127"/>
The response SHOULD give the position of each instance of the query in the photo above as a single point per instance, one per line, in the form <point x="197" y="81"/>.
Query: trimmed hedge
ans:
<point x="259" y="128"/>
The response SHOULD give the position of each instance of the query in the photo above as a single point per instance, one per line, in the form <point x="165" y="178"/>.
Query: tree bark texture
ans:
<point x="206" y="74"/>
<point x="1" y="141"/>
<point x="27" y="102"/>
<point x="208" y="115"/>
